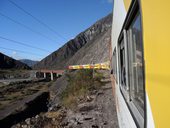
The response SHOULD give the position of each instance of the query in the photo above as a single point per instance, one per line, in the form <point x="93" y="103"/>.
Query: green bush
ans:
<point x="79" y="85"/>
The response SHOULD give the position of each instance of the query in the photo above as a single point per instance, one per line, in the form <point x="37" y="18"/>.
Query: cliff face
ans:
<point x="87" y="47"/>
<point x="7" y="62"/>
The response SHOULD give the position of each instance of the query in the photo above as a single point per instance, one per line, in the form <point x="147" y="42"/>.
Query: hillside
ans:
<point x="82" y="98"/>
<point x="92" y="45"/>
<point x="7" y="62"/>
<point x="29" y="62"/>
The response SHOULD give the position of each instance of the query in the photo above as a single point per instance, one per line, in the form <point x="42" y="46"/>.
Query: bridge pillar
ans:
<point x="44" y="75"/>
<point x="52" y="76"/>
<point x="35" y="74"/>
<point x="57" y="75"/>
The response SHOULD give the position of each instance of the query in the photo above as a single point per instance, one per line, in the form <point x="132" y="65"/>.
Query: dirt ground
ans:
<point x="17" y="94"/>
<point x="98" y="111"/>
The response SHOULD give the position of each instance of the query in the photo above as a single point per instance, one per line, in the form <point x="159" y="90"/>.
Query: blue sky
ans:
<point x="66" y="17"/>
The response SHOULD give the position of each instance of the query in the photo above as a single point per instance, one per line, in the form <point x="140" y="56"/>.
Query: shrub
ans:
<point x="79" y="85"/>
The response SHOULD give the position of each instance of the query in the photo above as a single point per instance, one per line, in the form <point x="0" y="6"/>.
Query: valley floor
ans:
<point x="97" y="111"/>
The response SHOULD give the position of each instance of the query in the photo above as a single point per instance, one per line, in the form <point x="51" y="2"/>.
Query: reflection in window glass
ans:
<point x="136" y="65"/>
<point x="122" y="65"/>
<point x="115" y="65"/>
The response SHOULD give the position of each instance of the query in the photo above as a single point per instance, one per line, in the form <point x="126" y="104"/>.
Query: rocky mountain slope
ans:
<point x="7" y="62"/>
<point x="94" y="109"/>
<point x="29" y="62"/>
<point x="87" y="47"/>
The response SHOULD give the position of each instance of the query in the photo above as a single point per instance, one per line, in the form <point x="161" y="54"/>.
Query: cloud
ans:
<point x="110" y="1"/>
<point x="15" y="55"/>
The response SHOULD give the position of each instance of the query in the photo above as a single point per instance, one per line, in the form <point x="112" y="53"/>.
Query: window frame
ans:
<point x="124" y="91"/>
<point x="114" y="64"/>
<point x="140" y="120"/>
<point x="131" y="47"/>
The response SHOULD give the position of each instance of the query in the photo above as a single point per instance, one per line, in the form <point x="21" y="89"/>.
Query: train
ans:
<point x="140" y="58"/>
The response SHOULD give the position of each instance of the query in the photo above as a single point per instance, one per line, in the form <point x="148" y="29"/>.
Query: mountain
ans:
<point x="7" y="62"/>
<point x="90" y="46"/>
<point x="29" y="62"/>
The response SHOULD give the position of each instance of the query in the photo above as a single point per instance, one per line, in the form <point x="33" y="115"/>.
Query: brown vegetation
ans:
<point x="79" y="86"/>
<point x="20" y="90"/>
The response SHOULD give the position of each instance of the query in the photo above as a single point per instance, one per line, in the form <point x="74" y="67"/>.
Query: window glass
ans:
<point x="131" y="69"/>
<point x="115" y="65"/>
<point x="136" y="64"/>
<point x="122" y="65"/>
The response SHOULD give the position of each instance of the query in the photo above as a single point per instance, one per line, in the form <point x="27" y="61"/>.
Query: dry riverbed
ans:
<point x="20" y="100"/>
<point x="17" y="91"/>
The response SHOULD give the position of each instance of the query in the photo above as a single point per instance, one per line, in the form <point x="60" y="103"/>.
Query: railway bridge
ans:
<point x="53" y="74"/>
<point x="49" y="74"/>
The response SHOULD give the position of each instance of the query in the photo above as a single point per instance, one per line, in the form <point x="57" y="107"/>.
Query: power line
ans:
<point x="24" y="44"/>
<point x="10" y="49"/>
<point x="39" y="21"/>
<point x="39" y="33"/>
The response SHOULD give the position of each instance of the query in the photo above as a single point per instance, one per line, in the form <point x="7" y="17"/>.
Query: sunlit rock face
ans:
<point x="89" y="46"/>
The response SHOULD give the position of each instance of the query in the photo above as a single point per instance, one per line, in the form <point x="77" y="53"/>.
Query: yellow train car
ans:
<point x="140" y="62"/>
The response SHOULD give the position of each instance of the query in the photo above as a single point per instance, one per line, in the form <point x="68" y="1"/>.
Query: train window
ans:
<point x="122" y="65"/>
<point x="115" y="64"/>
<point x="123" y="68"/>
<point x="136" y="64"/>
<point x="135" y="68"/>
<point x="131" y="67"/>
